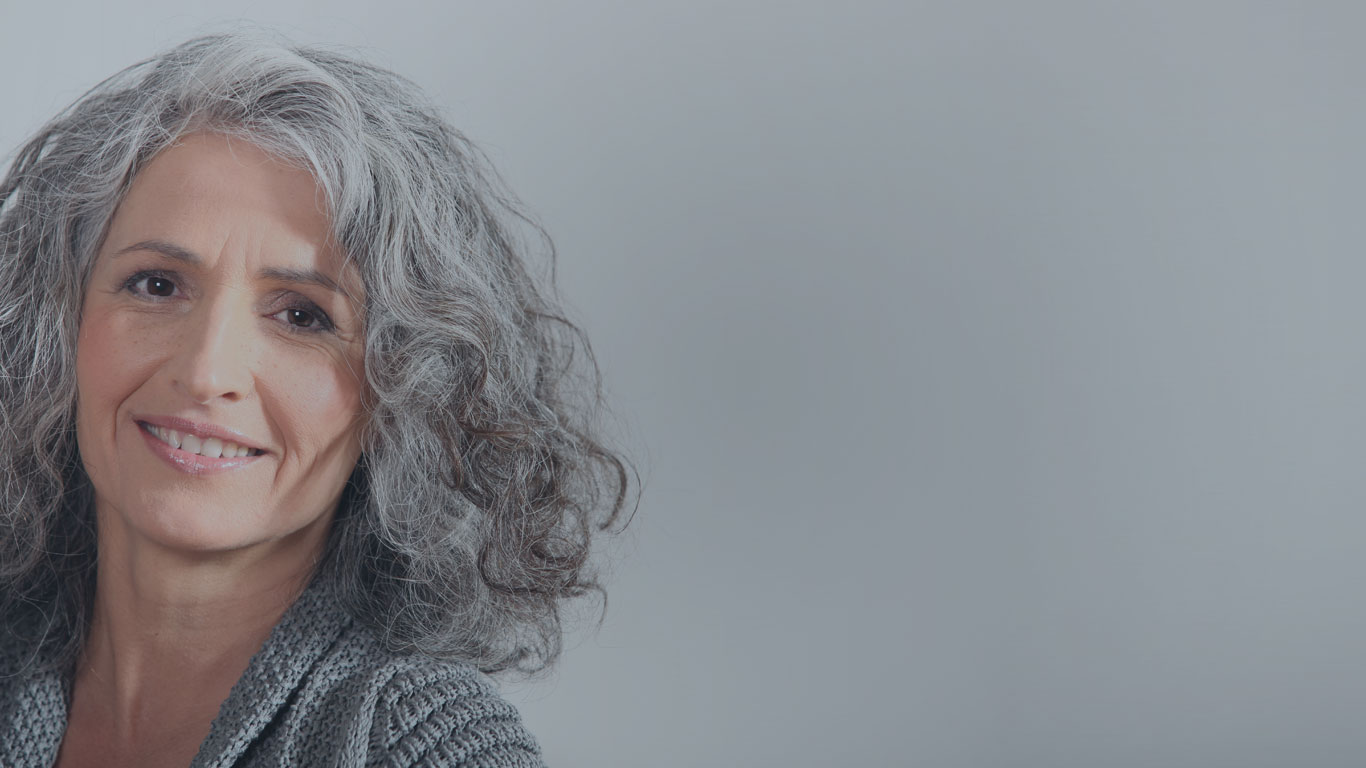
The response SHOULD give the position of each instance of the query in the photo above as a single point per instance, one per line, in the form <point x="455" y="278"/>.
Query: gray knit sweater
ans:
<point x="322" y="691"/>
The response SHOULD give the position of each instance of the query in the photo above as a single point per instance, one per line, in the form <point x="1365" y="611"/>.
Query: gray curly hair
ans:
<point x="483" y="480"/>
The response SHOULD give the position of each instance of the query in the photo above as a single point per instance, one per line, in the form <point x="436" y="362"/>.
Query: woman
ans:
<point x="293" y="449"/>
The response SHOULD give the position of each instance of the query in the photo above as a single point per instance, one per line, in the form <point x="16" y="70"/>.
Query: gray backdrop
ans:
<point x="995" y="368"/>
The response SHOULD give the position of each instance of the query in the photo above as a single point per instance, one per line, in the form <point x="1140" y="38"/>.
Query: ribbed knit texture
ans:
<point x="322" y="691"/>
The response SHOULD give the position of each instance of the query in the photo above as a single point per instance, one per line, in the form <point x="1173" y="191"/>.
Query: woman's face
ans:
<point x="219" y="320"/>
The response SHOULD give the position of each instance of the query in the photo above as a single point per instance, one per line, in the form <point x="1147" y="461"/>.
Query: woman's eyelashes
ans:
<point x="296" y="313"/>
<point x="305" y="317"/>
<point x="153" y="284"/>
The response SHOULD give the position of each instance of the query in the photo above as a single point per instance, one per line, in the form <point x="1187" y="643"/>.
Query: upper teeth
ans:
<point x="211" y="447"/>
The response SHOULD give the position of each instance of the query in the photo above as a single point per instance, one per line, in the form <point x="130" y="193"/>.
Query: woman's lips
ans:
<point x="191" y="462"/>
<point x="171" y="428"/>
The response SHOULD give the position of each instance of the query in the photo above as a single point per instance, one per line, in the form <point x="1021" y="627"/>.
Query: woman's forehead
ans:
<point x="213" y="166"/>
<point x="210" y="194"/>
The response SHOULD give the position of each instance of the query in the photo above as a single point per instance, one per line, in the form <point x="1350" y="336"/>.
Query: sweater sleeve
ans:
<point x="445" y="716"/>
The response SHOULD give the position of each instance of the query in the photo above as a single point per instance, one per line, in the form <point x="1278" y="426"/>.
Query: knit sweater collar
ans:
<point x="305" y="632"/>
<point x="41" y="694"/>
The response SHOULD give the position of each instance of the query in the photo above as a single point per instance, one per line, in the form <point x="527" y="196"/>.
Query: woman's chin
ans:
<point x="202" y="531"/>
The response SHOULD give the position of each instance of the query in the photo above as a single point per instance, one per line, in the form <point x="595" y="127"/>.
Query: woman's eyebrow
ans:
<point x="307" y="276"/>
<point x="164" y="248"/>
<point x="282" y="274"/>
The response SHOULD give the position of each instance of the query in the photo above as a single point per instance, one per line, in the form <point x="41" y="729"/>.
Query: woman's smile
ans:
<point x="197" y="449"/>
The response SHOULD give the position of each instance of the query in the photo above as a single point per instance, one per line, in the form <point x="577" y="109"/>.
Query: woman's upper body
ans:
<point x="322" y="691"/>
<point x="266" y="322"/>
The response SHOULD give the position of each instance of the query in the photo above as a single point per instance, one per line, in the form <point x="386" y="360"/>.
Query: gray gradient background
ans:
<point x="996" y="368"/>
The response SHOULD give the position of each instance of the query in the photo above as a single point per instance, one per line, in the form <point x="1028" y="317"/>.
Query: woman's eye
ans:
<point x="152" y="285"/>
<point x="160" y="286"/>
<point x="304" y="319"/>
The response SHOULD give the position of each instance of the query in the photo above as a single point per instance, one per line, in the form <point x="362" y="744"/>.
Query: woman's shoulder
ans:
<point x="416" y="710"/>
<point x="325" y="690"/>
<point x="448" y="712"/>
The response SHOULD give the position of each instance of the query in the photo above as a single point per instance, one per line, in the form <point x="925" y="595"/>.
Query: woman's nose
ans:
<point x="215" y="357"/>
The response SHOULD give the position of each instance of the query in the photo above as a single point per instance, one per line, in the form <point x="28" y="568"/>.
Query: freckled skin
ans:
<point x="226" y="347"/>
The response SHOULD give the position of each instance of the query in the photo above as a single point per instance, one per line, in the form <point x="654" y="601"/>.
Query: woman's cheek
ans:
<point x="116" y="351"/>
<point x="122" y="341"/>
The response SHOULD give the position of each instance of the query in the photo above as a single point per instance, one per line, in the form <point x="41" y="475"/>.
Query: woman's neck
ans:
<point x="172" y="632"/>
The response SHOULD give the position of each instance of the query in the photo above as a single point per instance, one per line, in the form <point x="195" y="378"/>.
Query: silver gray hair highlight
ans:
<point x="483" y="480"/>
